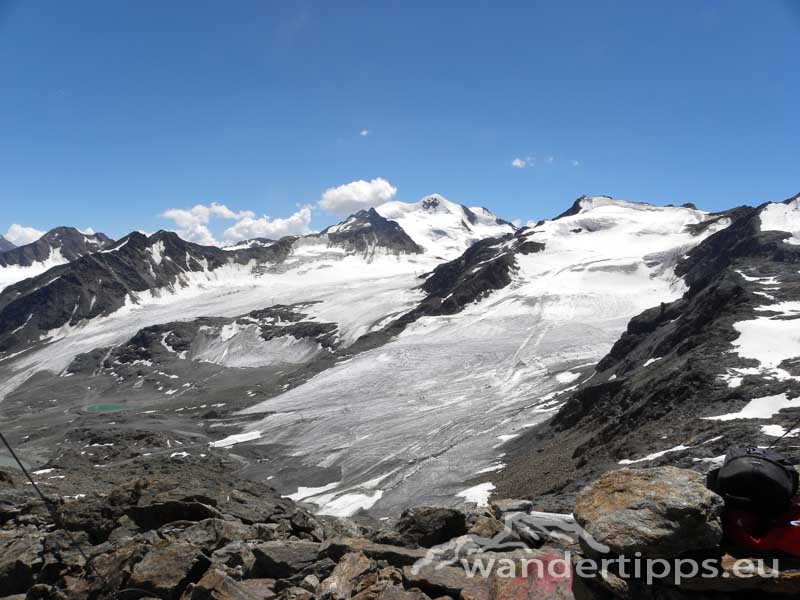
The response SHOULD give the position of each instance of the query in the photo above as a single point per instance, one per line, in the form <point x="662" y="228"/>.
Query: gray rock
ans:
<point x="210" y="534"/>
<point x="500" y="508"/>
<point x="283" y="559"/>
<point x="661" y="512"/>
<point x="436" y="580"/>
<point x="236" y="555"/>
<point x="310" y="583"/>
<point x="216" y="585"/>
<point x="20" y="560"/>
<point x="395" y="592"/>
<point x="394" y="555"/>
<point x="168" y="568"/>
<point x="340" y="583"/>
<point x="429" y="526"/>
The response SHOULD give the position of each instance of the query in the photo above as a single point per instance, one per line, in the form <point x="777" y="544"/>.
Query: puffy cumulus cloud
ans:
<point x="364" y="132"/>
<point x="356" y="195"/>
<point x="518" y="163"/>
<point x="250" y="227"/>
<point x="193" y="223"/>
<point x="20" y="235"/>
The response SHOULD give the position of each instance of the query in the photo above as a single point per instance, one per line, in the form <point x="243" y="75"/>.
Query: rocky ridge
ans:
<point x="176" y="528"/>
<point x="68" y="242"/>
<point x="6" y="245"/>
<point x="670" y="389"/>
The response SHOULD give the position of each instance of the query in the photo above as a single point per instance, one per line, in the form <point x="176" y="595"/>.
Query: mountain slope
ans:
<point x="5" y="245"/>
<point x="443" y="228"/>
<point x="481" y="357"/>
<point x="58" y="246"/>
<point x="451" y="359"/>
<point x="689" y="378"/>
<point x="367" y="232"/>
<point x="99" y="284"/>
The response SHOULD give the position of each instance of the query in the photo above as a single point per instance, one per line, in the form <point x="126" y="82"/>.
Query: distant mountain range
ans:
<point x="418" y="353"/>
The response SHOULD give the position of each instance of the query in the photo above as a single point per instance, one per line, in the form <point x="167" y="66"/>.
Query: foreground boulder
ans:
<point x="428" y="526"/>
<point x="661" y="512"/>
<point x="339" y="585"/>
<point x="666" y="524"/>
<point x="284" y="559"/>
<point x="168" y="568"/>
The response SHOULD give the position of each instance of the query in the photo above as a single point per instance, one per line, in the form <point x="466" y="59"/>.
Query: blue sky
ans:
<point x="112" y="113"/>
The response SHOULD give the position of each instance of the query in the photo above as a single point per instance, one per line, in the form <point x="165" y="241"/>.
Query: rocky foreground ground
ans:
<point x="188" y="530"/>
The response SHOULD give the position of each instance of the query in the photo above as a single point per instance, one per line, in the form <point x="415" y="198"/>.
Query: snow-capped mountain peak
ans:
<point x="782" y="216"/>
<point x="444" y="228"/>
<point x="56" y="247"/>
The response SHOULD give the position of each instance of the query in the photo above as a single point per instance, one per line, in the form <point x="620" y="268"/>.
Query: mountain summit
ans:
<point x="444" y="228"/>
<point x="56" y="247"/>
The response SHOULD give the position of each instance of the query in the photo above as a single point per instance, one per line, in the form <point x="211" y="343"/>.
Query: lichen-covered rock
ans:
<point x="660" y="512"/>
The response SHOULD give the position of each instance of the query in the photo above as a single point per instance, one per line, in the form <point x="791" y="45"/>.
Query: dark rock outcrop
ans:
<point x="428" y="526"/>
<point x="367" y="232"/>
<point x="5" y="245"/>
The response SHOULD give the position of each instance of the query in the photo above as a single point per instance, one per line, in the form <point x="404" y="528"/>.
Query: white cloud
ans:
<point x="356" y="195"/>
<point x="193" y="223"/>
<point x="575" y="163"/>
<point x="518" y="163"/>
<point x="250" y="227"/>
<point x="87" y="231"/>
<point x="364" y="132"/>
<point x="20" y="235"/>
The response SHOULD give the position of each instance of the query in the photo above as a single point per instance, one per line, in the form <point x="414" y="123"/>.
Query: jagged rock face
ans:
<point x="367" y="232"/>
<point x="688" y="378"/>
<point x="5" y="245"/>
<point x="100" y="283"/>
<point x="67" y="242"/>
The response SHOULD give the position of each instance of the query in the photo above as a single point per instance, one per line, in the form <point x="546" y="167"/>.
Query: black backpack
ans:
<point x="755" y="479"/>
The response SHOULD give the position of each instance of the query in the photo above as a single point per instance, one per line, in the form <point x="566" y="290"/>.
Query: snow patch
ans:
<point x="238" y="438"/>
<point x="478" y="494"/>
<point x="760" y="408"/>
